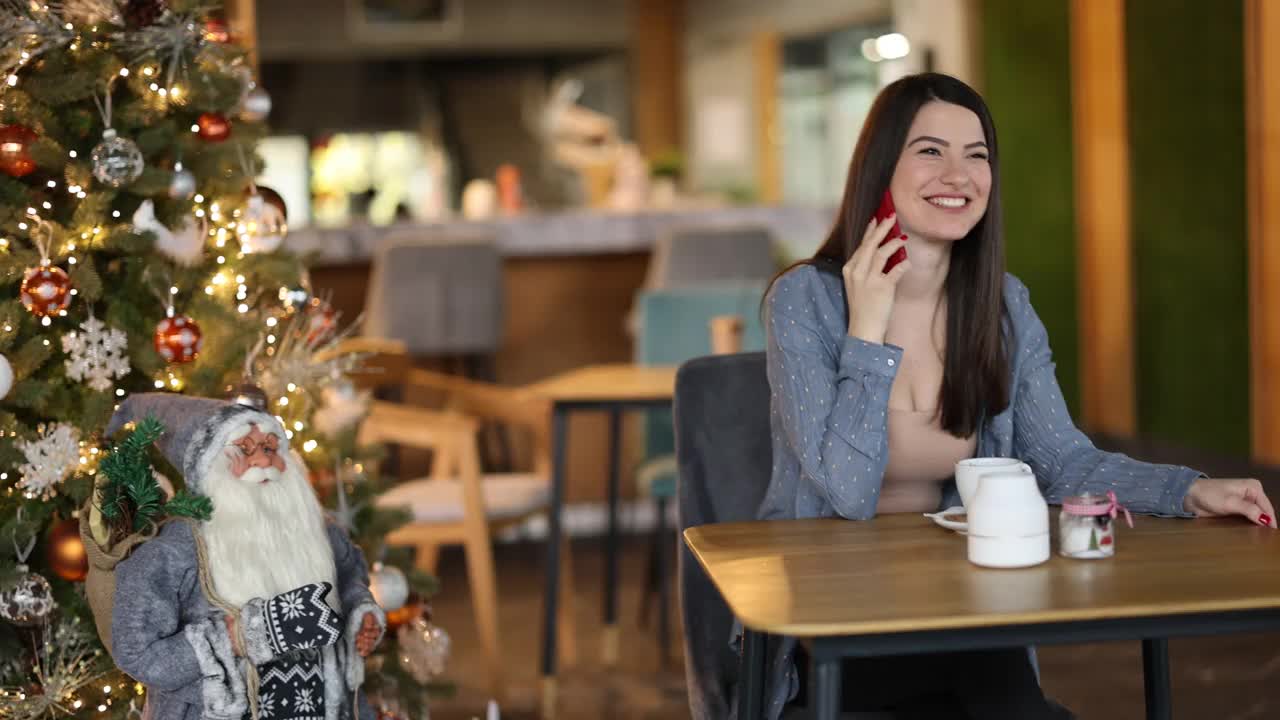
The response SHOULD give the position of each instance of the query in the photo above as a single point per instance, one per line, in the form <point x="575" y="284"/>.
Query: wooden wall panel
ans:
<point x="657" y="74"/>
<point x="1262" y="122"/>
<point x="1104" y="268"/>
<point x="766" y="50"/>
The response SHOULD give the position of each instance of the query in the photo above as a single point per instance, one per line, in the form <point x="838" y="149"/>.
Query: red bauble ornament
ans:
<point x="322" y="321"/>
<point x="45" y="291"/>
<point x="65" y="551"/>
<point x="216" y="30"/>
<point x="15" y="144"/>
<point x="214" y="127"/>
<point x="178" y="339"/>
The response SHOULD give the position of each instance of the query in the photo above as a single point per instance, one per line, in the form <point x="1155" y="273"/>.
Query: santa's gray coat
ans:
<point x="166" y="635"/>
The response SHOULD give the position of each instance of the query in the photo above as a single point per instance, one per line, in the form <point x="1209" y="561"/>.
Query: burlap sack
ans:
<point x="100" y="585"/>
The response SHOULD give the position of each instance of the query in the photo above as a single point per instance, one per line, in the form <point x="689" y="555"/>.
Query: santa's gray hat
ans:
<point x="196" y="429"/>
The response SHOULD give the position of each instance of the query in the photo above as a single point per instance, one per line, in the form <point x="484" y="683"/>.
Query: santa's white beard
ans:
<point x="265" y="538"/>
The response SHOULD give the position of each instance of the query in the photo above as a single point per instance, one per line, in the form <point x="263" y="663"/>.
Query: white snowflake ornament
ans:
<point x="49" y="460"/>
<point x="96" y="354"/>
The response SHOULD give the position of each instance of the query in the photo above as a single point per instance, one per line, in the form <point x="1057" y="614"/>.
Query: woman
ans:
<point x="881" y="381"/>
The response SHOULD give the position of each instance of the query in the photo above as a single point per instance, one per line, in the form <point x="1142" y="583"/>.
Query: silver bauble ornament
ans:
<point x="294" y="298"/>
<point x="264" y="226"/>
<point x="27" y="601"/>
<point x="182" y="184"/>
<point x="424" y="649"/>
<point x="117" y="161"/>
<point x="389" y="586"/>
<point x="256" y="105"/>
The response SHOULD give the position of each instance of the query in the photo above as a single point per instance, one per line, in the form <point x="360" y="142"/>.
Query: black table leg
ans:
<point x="611" y="541"/>
<point x="664" y="584"/>
<point x="1155" y="675"/>
<point x="559" y="433"/>
<point x="751" y="680"/>
<point x="826" y="686"/>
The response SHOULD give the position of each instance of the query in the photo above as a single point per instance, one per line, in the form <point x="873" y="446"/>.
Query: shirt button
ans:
<point x="890" y="362"/>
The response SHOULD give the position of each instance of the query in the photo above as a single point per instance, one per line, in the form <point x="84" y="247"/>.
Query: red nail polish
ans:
<point x="1264" y="519"/>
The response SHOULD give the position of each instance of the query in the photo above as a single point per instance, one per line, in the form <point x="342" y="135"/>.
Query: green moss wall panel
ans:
<point x="1186" y="119"/>
<point x="1027" y="83"/>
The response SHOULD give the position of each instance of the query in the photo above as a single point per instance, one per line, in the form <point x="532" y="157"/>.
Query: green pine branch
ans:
<point x="184" y="504"/>
<point x="14" y="192"/>
<point x="127" y="469"/>
<point x="423" y="583"/>
<point x="31" y="356"/>
<point x="147" y="497"/>
<point x="128" y="241"/>
<point x="93" y="208"/>
<point x="131" y="497"/>
<point x="13" y="265"/>
<point x="85" y="278"/>
<point x="63" y="78"/>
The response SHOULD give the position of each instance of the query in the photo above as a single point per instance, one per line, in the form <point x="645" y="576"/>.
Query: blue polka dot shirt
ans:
<point x="830" y="396"/>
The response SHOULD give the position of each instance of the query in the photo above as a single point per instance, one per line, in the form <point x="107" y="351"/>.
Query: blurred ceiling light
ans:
<point x="869" y="50"/>
<point x="893" y="46"/>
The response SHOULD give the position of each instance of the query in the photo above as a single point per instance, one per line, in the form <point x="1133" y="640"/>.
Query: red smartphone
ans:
<point x="884" y="211"/>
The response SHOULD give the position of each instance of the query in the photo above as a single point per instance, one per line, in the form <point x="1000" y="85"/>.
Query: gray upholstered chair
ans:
<point x="442" y="297"/>
<point x="724" y="454"/>
<point x="439" y="296"/>
<point x="724" y="457"/>
<point x="697" y="255"/>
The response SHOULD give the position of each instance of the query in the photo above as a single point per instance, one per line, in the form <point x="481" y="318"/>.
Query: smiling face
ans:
<point x="255" y="458"/>
<point x="942" y="180"/>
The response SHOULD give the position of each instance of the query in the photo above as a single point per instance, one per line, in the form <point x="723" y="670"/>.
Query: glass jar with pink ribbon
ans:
<point x="1086" y="526"/>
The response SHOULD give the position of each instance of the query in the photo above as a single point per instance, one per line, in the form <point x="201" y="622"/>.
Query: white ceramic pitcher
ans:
<point x="1008" y="520"/>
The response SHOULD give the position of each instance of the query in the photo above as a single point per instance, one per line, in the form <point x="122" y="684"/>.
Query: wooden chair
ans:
<point x="457" y="504"/>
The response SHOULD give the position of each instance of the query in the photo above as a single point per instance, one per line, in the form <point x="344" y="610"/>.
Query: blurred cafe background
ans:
<point x="511" y="190"/>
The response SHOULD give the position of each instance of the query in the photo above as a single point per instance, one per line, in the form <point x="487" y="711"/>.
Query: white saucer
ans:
<point x="942" y="519"/>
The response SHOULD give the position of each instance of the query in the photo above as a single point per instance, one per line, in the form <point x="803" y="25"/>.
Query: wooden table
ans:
<point x="614" y="388"/>
<point x="899" y="584"/>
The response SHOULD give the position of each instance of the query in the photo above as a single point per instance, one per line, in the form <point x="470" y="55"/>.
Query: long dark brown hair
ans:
<point x="975" y="380"/>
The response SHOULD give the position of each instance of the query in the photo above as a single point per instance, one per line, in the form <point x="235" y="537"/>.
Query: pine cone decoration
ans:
<point x="142" y="13"/>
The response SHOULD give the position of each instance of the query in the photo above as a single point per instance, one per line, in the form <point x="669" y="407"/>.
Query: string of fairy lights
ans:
<point x="226" y="229"/>
<point x="220" y="225"/>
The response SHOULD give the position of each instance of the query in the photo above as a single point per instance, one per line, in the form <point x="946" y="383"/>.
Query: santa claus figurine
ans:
<point x="263" y="610"/>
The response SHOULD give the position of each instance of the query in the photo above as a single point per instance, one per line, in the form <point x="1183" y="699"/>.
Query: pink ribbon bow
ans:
<point x="1112" y="508"/>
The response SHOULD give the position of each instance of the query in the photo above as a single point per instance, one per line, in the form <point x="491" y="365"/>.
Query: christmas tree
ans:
<point x="136" y="254"/>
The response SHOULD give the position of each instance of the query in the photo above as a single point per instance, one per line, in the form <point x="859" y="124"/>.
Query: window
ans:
<point x="827" y="87"/>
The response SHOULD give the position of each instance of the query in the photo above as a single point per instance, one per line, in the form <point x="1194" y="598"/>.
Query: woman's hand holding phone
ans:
<point x="868" y="287"/>
<point x="885" y="211"/>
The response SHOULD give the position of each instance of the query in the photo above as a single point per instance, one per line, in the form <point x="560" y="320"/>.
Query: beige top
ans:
<point x="922" y="456"/>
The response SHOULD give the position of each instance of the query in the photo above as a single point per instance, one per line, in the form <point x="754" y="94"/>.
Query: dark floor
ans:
<point x="638" y="689"/>
<point x="1226" y="678"/>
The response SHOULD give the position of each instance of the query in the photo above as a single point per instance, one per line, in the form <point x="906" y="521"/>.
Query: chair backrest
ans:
<point x="675" y="322"/>
<point x="674" y="327"/>
<point x="439" y="296"/>
<point x="724" y="453"/>
<point x="696" y="255"/>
